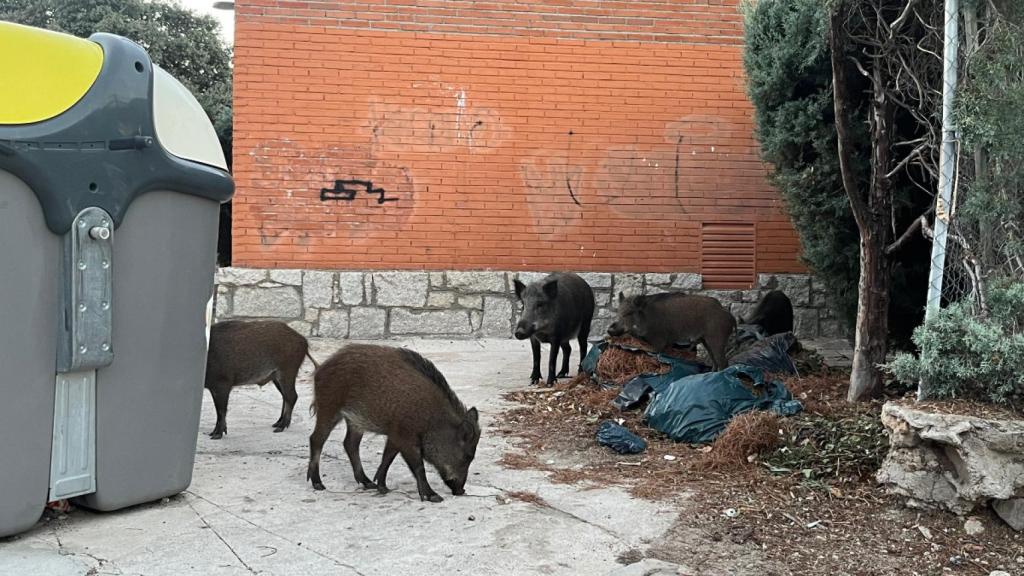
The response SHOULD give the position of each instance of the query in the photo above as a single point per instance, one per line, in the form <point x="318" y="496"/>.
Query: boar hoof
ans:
<point x="318" y="485"/>
<point x="432" y="498"/>
<point x="217" y="434"/>
<point x="367" y="485"/>
<point x="279" y="428"/>
<point x="563" y="374"/>
<point x="382" y="490"/>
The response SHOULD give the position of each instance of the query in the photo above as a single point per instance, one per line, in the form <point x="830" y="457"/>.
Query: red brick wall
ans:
<point x="560" y="134"/>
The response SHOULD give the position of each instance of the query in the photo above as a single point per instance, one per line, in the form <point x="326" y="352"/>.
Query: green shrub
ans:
<point x="962" y="355"/>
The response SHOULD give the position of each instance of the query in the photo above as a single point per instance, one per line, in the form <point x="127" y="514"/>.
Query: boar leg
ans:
<point x="381" y="477"/>
<point x="352" y="439"/>
<point x="414" y="459"/>
<point x="552" y="361"/>
<point x="582" y="340"/>
<point x="535" y="375"/>
<point x="286" y="386"/>
<point x="566" y="353"/>
<point x="716" y="350"/>
<point x="220" y="402"/>
<point x="324" y="425"/>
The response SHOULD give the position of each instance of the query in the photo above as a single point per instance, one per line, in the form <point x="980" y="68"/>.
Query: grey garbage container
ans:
<point x="111" y="178"/>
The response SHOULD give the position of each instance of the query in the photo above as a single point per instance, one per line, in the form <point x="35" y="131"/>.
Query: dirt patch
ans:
<point x="781" y="496"/>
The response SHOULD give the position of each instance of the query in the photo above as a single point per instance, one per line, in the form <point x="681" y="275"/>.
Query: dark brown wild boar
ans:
<point x="402" y="395"/>
<point x="253" y="352"/>
<point x="664" y="319"/>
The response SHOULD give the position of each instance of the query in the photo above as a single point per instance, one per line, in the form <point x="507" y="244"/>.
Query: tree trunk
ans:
<point x="872" y="330"/>
<point x="873" y="213"/>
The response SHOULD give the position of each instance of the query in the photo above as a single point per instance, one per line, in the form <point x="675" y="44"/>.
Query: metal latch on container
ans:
<point x="87" y="277"/>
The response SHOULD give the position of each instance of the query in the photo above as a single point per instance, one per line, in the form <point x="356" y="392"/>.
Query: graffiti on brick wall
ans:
<point x="346" y="190"/>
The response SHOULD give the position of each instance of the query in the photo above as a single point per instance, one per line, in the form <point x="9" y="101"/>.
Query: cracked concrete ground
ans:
<point x="250" y="509"/>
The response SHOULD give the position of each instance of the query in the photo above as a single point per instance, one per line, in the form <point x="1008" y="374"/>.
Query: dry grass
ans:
<point x="747" y="435"/>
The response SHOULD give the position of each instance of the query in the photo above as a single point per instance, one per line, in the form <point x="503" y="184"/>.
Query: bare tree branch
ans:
<point x="845" y="140"/>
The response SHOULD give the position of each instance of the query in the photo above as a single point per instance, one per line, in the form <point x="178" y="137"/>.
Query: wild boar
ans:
<point x="253" y="352"/>
<point x="556" y="309"/>
<point x="664" y="319"/>
<point x="402" y="395"/>
<point x="773" y="313"/>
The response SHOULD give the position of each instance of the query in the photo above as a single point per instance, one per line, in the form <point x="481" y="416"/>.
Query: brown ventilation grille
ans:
<point x="727" y="255"/>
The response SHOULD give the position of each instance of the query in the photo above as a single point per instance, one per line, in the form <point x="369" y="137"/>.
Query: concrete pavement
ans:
<point x="250" y="509"/>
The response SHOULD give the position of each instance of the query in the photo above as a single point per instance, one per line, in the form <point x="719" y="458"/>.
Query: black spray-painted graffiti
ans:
<point x="342" y="191"/>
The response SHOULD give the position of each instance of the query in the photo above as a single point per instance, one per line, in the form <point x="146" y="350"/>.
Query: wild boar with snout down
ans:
<point x="773" y="313"/>
<point x="253" y="352"/>
<point x="661" y="320"/>
<point x="402" y="395"/>
<point x="556" y="309"/>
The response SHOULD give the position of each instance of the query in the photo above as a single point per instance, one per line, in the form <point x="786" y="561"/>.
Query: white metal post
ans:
<point x="947" y="164"/>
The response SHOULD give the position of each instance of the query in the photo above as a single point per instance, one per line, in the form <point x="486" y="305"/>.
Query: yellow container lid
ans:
<point x="43" y="73"/>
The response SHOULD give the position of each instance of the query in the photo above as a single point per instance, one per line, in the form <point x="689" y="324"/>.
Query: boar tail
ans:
<point x="310" y="356"/>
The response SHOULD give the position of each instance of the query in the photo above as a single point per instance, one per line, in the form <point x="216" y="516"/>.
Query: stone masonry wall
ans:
<point x="378" y="305"/>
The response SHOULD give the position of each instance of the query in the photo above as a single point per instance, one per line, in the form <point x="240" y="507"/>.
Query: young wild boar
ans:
<point x="253" y="352"/>
<point x="664" y="319"/>
<point x="774" y="313"/>
<point x="400" y="394"/>
<point x="556" y="309"/>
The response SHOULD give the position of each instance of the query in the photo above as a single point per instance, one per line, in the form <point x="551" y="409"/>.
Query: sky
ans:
<point x="225" y="17"/>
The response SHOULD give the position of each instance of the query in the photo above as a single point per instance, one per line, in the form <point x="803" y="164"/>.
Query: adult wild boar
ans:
<point x="253" y="352"/>
<point x="661" y="320"/>
<point x="556" y="309"/>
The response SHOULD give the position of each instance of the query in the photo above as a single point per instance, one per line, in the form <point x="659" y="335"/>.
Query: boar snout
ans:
<point x="616" y="330"/>
<point x="524" y="330"/>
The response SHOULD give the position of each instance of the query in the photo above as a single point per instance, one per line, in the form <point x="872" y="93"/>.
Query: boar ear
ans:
<point x="519" y="288"/>
<point x="473" y="415"/>
<point x="551" y="289"/>
<point x="622" y="297"/>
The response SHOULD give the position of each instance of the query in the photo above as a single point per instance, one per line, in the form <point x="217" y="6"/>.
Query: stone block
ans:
<point x="497" y="320"/>
<point x="657" y="279"/>
<point x="437" y="279"/>
<point x="475" y="282"/>
<point x="474" y="302"/>
<point x="440" y="299"/>
<point x="597" y="279"/>
<point x="688" y="281"/>
<point x="400" y="288"/>
<point x="333" y="324"/>
<point x="287" y="277"/>
<point x="432" y="322"/>
<point x="806" y="323"/>
<point x="529" y="278"/>
<point x="302" y="327"/>
<point x="279" y="302"/>
<point x="367" y="323"/>
<point x="318" y="289"/>
<point x="1011" y="511"/>
<point x="350" y="288"/>
<point x="628" y="284"/>
<point x="240" y="276"/>
<point x="796" y="286"/>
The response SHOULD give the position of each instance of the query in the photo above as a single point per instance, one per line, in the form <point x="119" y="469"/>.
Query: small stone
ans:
<point x="669" y="457"/>
<point x="973" y="526"/>
<point x="1011" y="511"/>
<point x="998" y="573"/>
<point x="472" y="518"/>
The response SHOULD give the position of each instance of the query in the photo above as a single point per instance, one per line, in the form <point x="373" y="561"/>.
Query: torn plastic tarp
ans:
<point x="770" y="354"/>
<point x="697" y="408"/>
<point x="636" y="390"/>
<point x="620" y="439"/>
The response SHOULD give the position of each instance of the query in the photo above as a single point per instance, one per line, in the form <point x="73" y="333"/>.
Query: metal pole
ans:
<point x="947" y="165"/>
